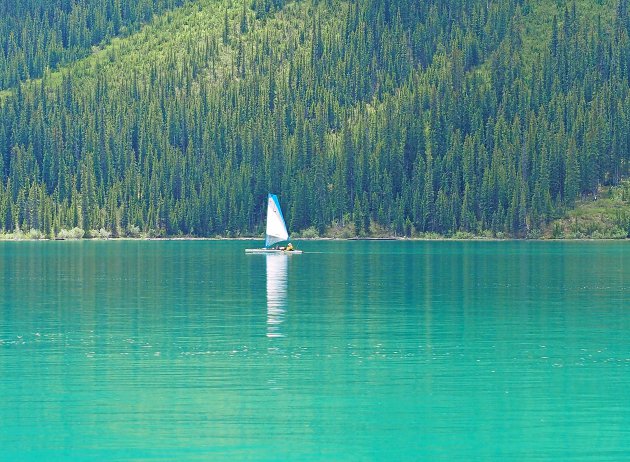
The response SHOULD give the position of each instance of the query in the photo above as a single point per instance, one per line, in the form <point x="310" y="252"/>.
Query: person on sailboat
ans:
<point x="289" y="247"/>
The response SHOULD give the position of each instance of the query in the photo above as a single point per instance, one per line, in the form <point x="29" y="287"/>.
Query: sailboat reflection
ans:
<point x="277" y="268"/>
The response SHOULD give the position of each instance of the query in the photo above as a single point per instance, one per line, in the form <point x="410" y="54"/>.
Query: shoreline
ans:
<point x="298" y="239"/>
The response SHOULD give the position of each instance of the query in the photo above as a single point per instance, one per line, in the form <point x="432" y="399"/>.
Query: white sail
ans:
<point x="276" y="227"/>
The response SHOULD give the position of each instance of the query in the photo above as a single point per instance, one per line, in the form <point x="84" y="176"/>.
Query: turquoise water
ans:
<point x="353" y="351"/>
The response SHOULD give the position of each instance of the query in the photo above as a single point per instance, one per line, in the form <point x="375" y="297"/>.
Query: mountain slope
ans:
<point x="413" y="117"/>
<point x="605" y="215"/>
<point x="40" y="34"/>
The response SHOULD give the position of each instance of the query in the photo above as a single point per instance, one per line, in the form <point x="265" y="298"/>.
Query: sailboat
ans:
<point x="276" y="230"/>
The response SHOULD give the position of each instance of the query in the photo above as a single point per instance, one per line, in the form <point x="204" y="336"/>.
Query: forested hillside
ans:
<point x="40" y="34"/>
<point x="405" y="116"/>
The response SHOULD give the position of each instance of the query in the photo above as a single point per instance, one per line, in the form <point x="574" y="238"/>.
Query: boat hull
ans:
<point x="273" y="251"/>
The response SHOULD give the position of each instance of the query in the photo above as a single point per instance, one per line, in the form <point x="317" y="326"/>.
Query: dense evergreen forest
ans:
<point x="405" y="116"/>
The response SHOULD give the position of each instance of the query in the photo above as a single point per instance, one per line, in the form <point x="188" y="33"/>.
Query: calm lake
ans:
<point x="192" y="350"/>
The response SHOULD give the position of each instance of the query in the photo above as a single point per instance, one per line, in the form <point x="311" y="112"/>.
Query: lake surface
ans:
<point x="145" y="350"/>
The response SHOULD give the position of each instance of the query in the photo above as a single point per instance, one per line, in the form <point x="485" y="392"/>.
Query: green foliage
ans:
<point x="308" y="233"/>
<point x="605" y="215"/>
<point x="367" y="118"/>
<point x="74" y="233"/>
<point x="36" y="35"/>
<point x="99" y="233"/>
<point x="463" y="235"/>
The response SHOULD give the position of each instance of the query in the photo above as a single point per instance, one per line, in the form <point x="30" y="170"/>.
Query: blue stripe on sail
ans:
<point x="275" y="199"/>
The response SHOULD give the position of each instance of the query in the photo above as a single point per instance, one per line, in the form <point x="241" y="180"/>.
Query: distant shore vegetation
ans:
<point x="605" y="215"/>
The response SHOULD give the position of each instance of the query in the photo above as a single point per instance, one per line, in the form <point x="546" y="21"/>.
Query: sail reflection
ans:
<point x="277" y="268"/>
